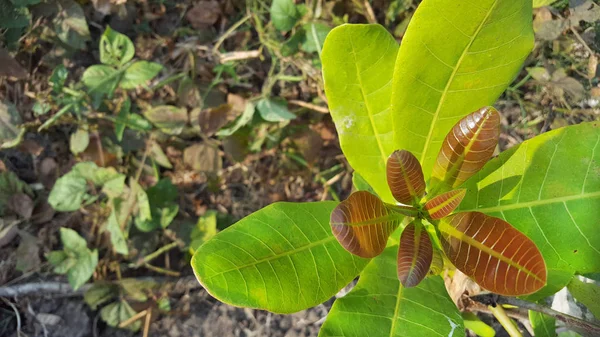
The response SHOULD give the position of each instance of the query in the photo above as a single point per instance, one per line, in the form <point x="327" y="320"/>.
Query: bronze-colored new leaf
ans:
<point x="444" y="204"/>
<point x="466" y="148"/>
<point x="405" y="177"/>
<point x="362" y="224"/>
<point x="497" y="256"/>
<point x="414" y="255"/>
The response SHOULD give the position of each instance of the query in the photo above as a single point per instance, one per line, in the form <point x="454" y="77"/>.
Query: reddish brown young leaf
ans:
<point x="466" y="148"/>
<point x="444" y="204"/>
<point x="362" y="224"/>
<point x="414" y="255"/>
<point x="405" y="177"/>
<point x="496" y="255"/>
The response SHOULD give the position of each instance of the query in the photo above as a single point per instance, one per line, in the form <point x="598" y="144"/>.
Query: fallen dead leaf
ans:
<point x="204" y="14"/>
<point x="28" y="257"/>
<point x="48" y="172"/>
<point x="10" y="67"/>
<point x="21" y="204"/>
<point x="202" y="158"/>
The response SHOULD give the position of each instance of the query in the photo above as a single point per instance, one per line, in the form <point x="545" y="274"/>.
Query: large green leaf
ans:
<point x="455" y="58"/>
<point x="282" y="258"/>
<point x="549" y="189"/>
<point x="380" y="306"/>
<point x="357" y="62"/>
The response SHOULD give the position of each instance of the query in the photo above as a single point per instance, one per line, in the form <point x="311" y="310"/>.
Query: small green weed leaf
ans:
<point x="282" y="258"/>
<point x="100" y="293"/>
<point x="117" y="312"/>
<point x="58" y="78"/>
<point x="161" y="198"/>
<point x="244" y="119"/>
<point x="362" y="224"/>
<point x="68" y="193"/>
<point x="359" y="93"/>
<point x="415" y="254"/>
<point x="586" y="293"/>
<point x="116" y="49"/>
<point x="284" y="14"/>
<point x="169" y="119"/>
<point x="114" y="225"/>
<point x="379" y="305"/>
<point x="70" y="24"/>
<point x="274" y="110"/>
<point x="79" y="141"/>
<point x="139" y="73"/>
<point x="292" y="45"/>
<point x="101" y="79"/>
<point x="13" y="17"/>
<point x="137" y="290"/>
<point x="543" y="325"/>
<point x="405" y="177"/>
<point x="40" y="108"/>
<point x="315" y="37"/>
<point x="205" y="228"/>
<point x="76" y="260"/>
<point x="159" y="156"/>
<point x="475" y="324"/>
<point x="10" y="133"/>
<point x="435" y="86"/>
<point x="122" y="118"/>
<point x="96" y="175"/>
<point x="143" y="204"/>
<point x="527" y="186"/>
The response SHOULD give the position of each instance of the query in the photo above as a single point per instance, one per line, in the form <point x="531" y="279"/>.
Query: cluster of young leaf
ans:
<point x="75" y="259"/>
<point x="488" y="249"/>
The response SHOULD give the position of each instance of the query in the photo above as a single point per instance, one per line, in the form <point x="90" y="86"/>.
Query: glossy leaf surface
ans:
<point x="498" y="257"/>
<point x="362" y="224"/>
<point x="466" y="148"/>
<point x="543" y="325"/>
<point x="449" y="66"/>
<point x="549" y="189"/>
<point x="357" y="62"/>
<point x="444" y="204"/>
<point x="414" y="255"/>
<point x="405" y="177"/>
<point x="379" y="305"/>
<point x="282" y="258"/>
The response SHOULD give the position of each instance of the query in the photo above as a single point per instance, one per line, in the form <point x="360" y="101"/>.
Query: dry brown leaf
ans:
<point x="10" y="67"/>
<point x="202" y="158"/>
<point x="204" y="13"/>
<point x="21" y="204"/>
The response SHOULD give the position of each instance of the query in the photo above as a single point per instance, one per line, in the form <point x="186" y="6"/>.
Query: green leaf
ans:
<point x="315" y="36"/>
<point x="139" y="73"/>
<point x="169" y="119"/>
<point x="10" y="133"/>
<point x="274" y="110"/>
<point x="116" y="49"/>
<point x="205" y="228"/>
<point x="77" y="260"/>
<point x="473" y="323"/>
<point x="282" y="258"/>
<point x="284" y="14"/>
<point x="70" y="24"/>
<point x="358" y="83"/>
<point x="541" y="3"/>
<point x="101" y="79"/>
<point x="72" y="242"/>
<point x="122" y="118"/>
<point x="68" y="193"/>
<point x="547" y="188"/>
<point x="143" y="205"/>
<point x="543" y="325"/>
<point x="113" y="225"/>
<point x="161" y="199"/>
<point x="83" y="269"/>
<point x="117" y="312"/>
<point x="96" y="175"/>
<point x="79" y="141"/>
<point x="292" y="45"/>
<point x="449" y="66"/>
<point x="100" y="293"/>
<point x="244" y="119"/>
<point x="12" y="16"/>
<point x="380" y="306"/>
<point x="586" y="293"/>
<point x="58" y="78"/>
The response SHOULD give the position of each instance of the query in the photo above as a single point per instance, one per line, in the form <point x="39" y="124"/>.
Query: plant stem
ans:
<point x="405" y="210"/>
<point x="506" y="322"/>
<point x="153" y="255"/>
<point x="574" y="323"/>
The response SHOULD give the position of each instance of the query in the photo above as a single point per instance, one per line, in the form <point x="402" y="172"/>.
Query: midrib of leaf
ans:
<point x="518" y="205"/>
<point x="273" y="257"/>
<point x="446" y="228"/>
<point x="450" y="80"/>
<point x="364" y="96"/>
<point x="396" y="310"/>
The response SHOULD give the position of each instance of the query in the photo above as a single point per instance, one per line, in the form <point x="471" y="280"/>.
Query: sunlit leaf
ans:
<point x="455" y="58"/>
<point x="587" y="293"/>
<point x="500" y="258"/>
<point x="358" y="83"/>
<point x="282" y="258"/>
<point x="475" y="324"/>
<point x="362" y="224"/>
<point x="549" y="189"/>
<point x="543" y="325"/>
<point x="405" y="177"/>
<point x="466" y="148"/>
<point x="444" y="204"/>
<point x="380" y="306"/>
<point x="414" y="255"/>
<point x="437" y="262"/>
